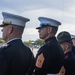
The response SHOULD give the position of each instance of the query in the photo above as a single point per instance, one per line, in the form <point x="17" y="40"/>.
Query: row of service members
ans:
<point x="17" y="59"/>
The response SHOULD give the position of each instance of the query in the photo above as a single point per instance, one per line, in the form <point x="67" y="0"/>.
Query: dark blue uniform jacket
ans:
<point x="16" y="59"/>
<point x="69" y="63"/>
<point x="52" y="58"/>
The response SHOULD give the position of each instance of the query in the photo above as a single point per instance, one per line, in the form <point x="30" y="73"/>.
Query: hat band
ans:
<point x="43" y="25"/>
<point x="6" y="23"/>
<point x="69" y="41"/>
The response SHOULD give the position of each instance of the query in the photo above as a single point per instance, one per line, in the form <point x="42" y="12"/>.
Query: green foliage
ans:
<point x="1" y="41"/>
<point x="39" y="42"/>
<point x="28" y="42"/>
<point x="36" y="42"/>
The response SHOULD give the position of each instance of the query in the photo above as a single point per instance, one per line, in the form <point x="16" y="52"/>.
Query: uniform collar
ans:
<point x="51" y="38"/>
<point x="68" y="52"/>
<point x="13" y="40"/>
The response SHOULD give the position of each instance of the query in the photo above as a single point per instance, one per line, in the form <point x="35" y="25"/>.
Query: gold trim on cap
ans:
<point x="6" y="22"/>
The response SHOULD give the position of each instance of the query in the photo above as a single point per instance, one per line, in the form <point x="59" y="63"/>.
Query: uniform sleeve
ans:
<point x="41" y="60"/>
<point x="31" y="69"/>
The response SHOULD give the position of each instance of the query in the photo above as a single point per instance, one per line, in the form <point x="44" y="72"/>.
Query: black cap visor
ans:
<point x="42" y="25"/>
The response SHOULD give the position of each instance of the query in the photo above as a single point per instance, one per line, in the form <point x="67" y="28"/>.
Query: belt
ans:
<point x="52" y="74"/>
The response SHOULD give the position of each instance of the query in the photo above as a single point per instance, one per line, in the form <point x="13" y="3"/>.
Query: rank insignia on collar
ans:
<point x="4" y="45"/>
<point x="40" y="61"/>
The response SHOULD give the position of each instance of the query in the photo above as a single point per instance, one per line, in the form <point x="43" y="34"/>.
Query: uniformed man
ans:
<point x="65" y="40"/>
<point x="49" y="58"/>
<point x="15" y="57"/>
<point x="73" y="40"/>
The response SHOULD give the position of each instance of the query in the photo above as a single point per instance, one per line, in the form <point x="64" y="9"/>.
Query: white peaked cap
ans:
<point x="48" y="21"/>
<point x="17" y="20"/>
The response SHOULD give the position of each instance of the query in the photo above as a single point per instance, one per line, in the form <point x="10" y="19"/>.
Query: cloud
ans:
<point x="61" y="10"/>
<point x="22" y="5"/>
<point x="34" y="14"/>
<point x="30" y="34"/>
<point x="67" y="27"/>
<point x="30" y="31"/>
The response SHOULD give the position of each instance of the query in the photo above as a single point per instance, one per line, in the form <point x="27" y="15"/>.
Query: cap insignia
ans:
<point x="6" y="22"/>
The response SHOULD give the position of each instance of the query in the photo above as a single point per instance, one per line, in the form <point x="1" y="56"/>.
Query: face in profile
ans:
<point x="43" y="32"/>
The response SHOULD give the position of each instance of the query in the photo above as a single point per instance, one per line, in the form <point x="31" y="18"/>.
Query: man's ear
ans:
<point x="49" y="29"/>
<point x="66" y="46"/>
<point x="10" y="29"/>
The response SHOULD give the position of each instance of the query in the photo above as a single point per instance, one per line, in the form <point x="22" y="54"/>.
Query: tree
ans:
<point x="1" y="41"/>
<point x="36" y="42"/>
<point x="39" y="42"/>
<point x="28" y="42"/>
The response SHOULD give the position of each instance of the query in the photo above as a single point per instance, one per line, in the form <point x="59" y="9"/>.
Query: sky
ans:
<point x="61" y="10"/>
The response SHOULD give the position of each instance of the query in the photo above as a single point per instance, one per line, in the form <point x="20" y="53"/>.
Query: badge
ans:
<point x="4" y="45"/>
<point x="40" y="61"/>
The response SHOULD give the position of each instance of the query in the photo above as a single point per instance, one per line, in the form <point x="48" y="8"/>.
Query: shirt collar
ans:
<point x="13" y="39"/>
